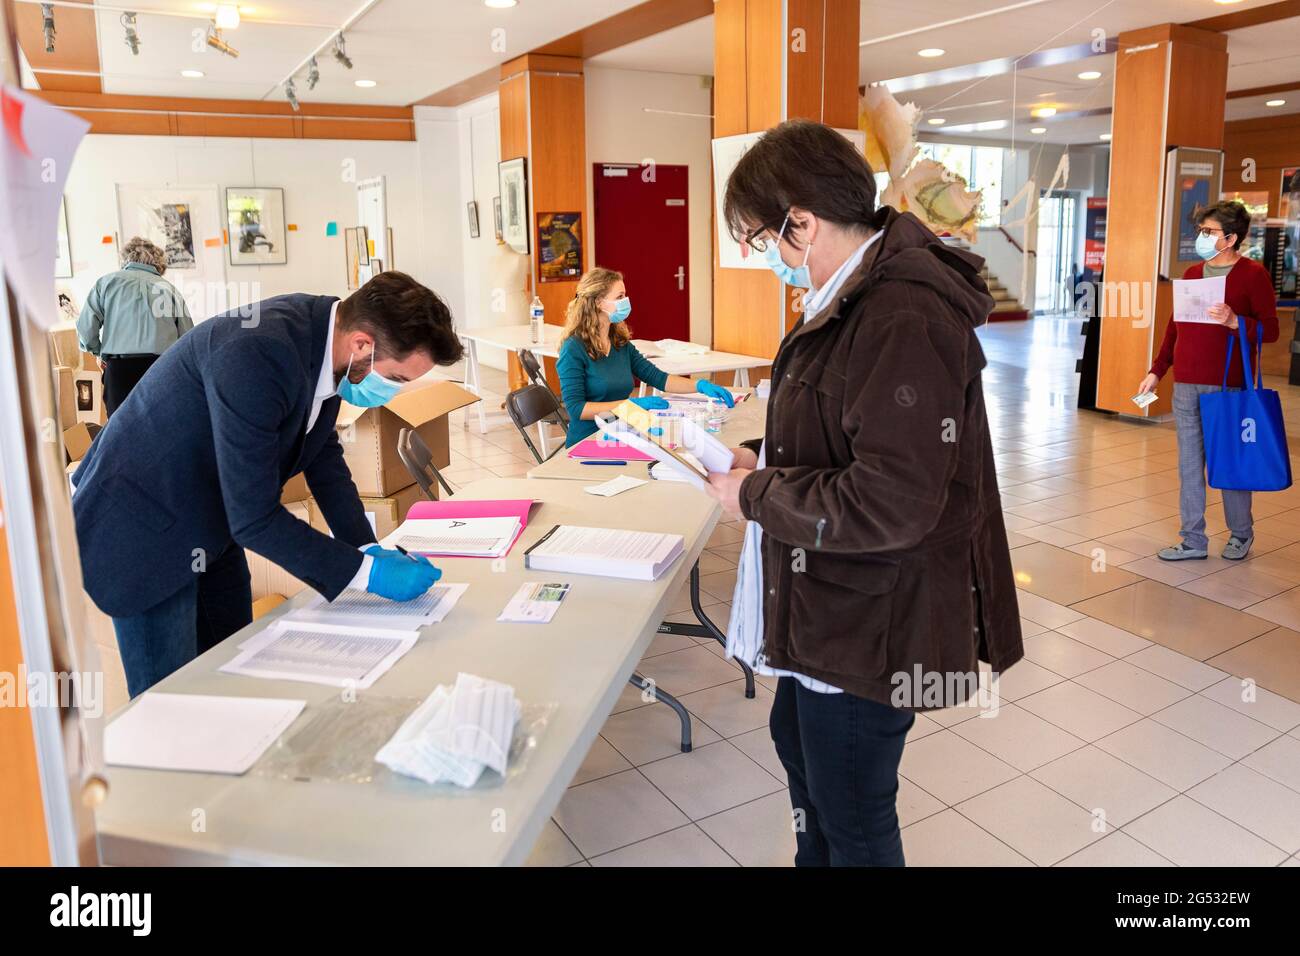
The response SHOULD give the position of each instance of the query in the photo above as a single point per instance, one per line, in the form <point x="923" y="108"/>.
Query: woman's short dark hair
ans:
<point x="404" y="317"/>
<point x="799" y="163"/>
<point x="1231" y="216"/>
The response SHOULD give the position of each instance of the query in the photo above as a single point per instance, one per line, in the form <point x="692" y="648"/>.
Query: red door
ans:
<point x="642" y="229"/>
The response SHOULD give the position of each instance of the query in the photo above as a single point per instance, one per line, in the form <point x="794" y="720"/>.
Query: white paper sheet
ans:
<point x="197" y="732"/>
<point x="321" y="653"/>
<point x="468" y="537"/>
<point x="615" y="486"/>
<point x="362" y="608"/>
<point x="1193" y="298"/>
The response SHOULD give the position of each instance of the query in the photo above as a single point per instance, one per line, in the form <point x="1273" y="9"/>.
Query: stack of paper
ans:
<point x="456" y="733"/>
<point x="698" y="455"/>
<point x="639" y="555"/>
<point x="334" y="654"/>
<point x="458" y="537"/>
<point x="362" y="608"/>
<point x="465" y="508"/>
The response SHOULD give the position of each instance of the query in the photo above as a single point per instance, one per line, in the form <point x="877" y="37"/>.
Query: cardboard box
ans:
<point x="67" y="397"/>
<point x="89" y="363"/>
<point x="65" y="348"/>
<point x="77" y="441"/>
<point x="385" y="514"/>
<point x="269" y="603"/>
<point x="295" y="489"/>
<point x="369" y="435"/>
<point x="268" y="578"/>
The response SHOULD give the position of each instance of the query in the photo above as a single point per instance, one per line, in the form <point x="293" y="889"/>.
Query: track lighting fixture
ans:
<point x="217" y="43"/>
<point x="47" y="25"/>
<point x="313" y="74"/>
<point x="132" y="38"/>
<point x="291" y="93"/>
<point x="341" y="52"/>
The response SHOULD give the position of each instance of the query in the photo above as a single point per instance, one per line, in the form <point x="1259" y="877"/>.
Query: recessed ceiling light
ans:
<point x="931" y="51"/>
<point x="1104" y="136"/>
<point x="1226" y="3"/>
<point x="1090" y="75"/>
<point x="936" y="121"/>
<point x="1275" y="102"/>
<point x="500" y="4"/>
<point x="1039" y="130"/>
<point x="1042" y="112"/>
<point x="366" y="84"/>
<point x="227" y="16"/>
<point x="192" y="74"/>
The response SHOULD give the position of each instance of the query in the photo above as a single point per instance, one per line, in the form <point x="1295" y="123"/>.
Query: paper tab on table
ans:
<point x="333" y="654"/>
<point x="615" y="486"/>
<point x="1193" y="298"/>
<point x="197" y="732"/>
<point x="457" y="537"/>
<point x="363" y="608"/>
<point x="640" y="555"/>
<point x="534" y="603"/>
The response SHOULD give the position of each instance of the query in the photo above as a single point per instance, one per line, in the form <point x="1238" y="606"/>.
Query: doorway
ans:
<point x="1053" y="285"/>
<point x="642" y="229"/>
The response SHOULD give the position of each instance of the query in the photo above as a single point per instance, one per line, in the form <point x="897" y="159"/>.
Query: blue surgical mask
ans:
<point x="799" y="277"/>
<point x="1207" y="246"/>
<point x="371" y="392"/>
<point x="622" y="310"/>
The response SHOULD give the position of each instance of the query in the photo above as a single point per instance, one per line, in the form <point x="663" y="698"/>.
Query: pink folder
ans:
<point x="455" y="508"/>
<point x="603" y="449"/>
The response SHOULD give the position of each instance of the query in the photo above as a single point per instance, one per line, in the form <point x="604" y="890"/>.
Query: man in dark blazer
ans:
<point x="189" y="471"/>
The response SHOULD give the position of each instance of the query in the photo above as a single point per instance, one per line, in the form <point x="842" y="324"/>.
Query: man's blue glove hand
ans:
<point x="705" y="387"/>
<point x="377" y="549"/>
<point x="651" y="402"/>
<point x="401" y="577"/>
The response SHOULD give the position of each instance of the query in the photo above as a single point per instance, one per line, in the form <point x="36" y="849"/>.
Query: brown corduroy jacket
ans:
<point x="885" y="562"/>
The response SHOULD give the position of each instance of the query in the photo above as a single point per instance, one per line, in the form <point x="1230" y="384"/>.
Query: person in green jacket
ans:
<point x="131" y="317"/>
<point x="598" y="363"/>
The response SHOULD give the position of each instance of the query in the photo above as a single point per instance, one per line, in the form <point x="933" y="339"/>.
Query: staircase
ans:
<point x="1005" y="306"/>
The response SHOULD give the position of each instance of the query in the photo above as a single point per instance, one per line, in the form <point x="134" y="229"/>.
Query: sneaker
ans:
<point x="1181" y="552"/>
<point x="1236" y="548"/>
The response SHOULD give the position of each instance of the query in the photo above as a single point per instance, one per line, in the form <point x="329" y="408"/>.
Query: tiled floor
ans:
<point x="1154" y="721"/>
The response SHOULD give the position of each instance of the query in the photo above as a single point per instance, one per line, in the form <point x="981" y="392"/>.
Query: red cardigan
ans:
<point x="1198" y="352"/>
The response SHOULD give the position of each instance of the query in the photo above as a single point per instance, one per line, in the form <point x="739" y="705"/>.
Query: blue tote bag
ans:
<point x="1245" y="439"/>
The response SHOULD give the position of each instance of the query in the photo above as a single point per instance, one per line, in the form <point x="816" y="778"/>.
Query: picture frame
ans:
<point x="472" y="209"/>
<point x="512" y="176"/>
<point x="188" y="224"/>
<point x="496" y="217"/>
<point x="63" y="253"/>
<point x="350" y="251"/>
<point x="559" y="246"/>
<point x="255" y="226"/>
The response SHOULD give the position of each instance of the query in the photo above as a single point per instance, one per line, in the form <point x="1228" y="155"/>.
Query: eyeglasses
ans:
<point x="758" y="242"/>
<point x="1209" y="232"/>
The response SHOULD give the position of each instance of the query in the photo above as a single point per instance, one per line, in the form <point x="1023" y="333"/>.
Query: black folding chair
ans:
<point x="418" y="460"/>
<point x="536" y="376"/>
<point x="529" y="405"/>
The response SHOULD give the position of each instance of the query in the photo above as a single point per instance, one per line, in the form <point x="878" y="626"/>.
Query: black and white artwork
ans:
<point x="255" y="226"/>
<point x="178" y="234"/>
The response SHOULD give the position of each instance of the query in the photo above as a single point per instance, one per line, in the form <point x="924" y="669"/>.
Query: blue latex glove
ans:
<point x="717" y="392"/>
<point x="400" y="577"/>
<point x="651" y="402"/>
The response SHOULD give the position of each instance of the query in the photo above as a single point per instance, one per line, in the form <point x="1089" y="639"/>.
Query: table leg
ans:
<point x="639" y="682"/>
<point x="472" y="382"/>
<point x="742" y="378"/>
<point x="542" y="442"/>
<point x="706" y="628"/>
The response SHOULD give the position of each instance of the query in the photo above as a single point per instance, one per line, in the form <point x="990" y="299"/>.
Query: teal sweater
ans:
<point x="609" y="379"/>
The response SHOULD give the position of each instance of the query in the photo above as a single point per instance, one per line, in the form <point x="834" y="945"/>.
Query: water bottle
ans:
<point x="536" y="320"/>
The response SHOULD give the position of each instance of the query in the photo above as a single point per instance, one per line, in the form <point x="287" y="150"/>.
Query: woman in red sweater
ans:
<point x="1197" y="353"/>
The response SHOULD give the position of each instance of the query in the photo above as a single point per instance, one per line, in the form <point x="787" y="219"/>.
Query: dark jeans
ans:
<point x="198" y="617"/>
<point x="841" y="756"/>
<point x="121" y="374"/>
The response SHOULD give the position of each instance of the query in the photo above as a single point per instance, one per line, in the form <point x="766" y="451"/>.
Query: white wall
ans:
<point x="620" y="131"/>
<point x="316" y="191"/>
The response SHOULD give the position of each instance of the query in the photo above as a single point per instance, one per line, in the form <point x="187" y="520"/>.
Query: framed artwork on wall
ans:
<point x="255" y="226"/>
<point x="472" y="209"/>
<point x="496" y="217"/>
<point x="187" y="223"/>
<point x="513" y="182"/>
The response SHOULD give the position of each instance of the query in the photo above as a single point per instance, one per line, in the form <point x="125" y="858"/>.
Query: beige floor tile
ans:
<point x="602" y="760"/>
<point x="914" y="804"/>
<point x="1261" y="805"/>
<point x="1032" y="819"/>
<point x="615" y="811"/>
<point x="949" y="839"/>
<point x="1047" y="534"/>
<point x="721" y="585"/>
<point x="1030" y="628"/>
<point x="923" y="726"/>
<point x="1062" y="576"/>
<point x="1279" y="760"/>
<point x="1242" y="695"/>
<point x="553" y="848"/>
<point x="1018" y="737"/>
<point x="1217" y="727"/>
<point x="685" y="846"/>
<point x="1104" y="785"/>
<point x="1189" y="834"/>
<point x="1042" y="611"/>
<point x="1129" y="542"/>
<point x="951" y="768"/>
<point x="1106" y="638"/>
<point x="652" y="732"/>
<point x="667" y="643"/>
<point x="1179" y="668"/>
<point x="710" y="779"/>
<point x="684" y="672"/>
<point x="1283" y="609"/>
<point x="1079" y="711"/>
<point x="1063" y="655"/>
<point x="1173" y="573"/>
<point x="1170" y="757"/>
<point x="759" y="833"/>
<point x="1114" y="850"/>
<point x="1214" y="588"/>
<point x="757" y="745"/>
<point x="727" y="710"/>
<point x="1189" y="624"/>
<point x="1133" y="687"/>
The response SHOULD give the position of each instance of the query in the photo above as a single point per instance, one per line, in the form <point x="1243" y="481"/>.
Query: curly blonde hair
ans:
<point x="582" y="316"/>
<point x="141" y="250"/>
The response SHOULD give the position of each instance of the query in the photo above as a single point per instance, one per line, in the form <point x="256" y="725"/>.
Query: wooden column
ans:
<point x="1170" y="89"/>
<point x="543" y="118"/>
<point x="775" y="60"/>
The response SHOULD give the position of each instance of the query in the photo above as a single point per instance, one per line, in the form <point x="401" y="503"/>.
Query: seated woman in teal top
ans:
<point x="598" y="360"/>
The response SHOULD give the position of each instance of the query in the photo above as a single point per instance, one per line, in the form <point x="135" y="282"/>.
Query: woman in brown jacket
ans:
<point x="875" y="574"/>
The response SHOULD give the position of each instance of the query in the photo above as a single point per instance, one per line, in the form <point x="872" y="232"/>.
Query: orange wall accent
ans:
<point x="1169" y="91"/>
<point x="22" y="822"/>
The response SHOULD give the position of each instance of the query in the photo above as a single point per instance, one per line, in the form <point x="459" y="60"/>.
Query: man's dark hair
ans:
<point x="404" y="317"/>
<point x="799" y="163"/>
<point x="1231" y="216"/>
